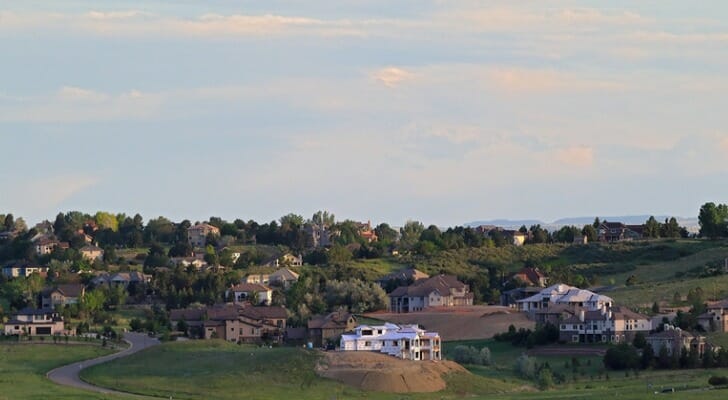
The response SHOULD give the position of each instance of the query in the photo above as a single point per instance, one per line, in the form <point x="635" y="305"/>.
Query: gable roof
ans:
<point x="264" y="312"/>
<point x="532" y="275"/>
<point x="439" y="283"/>
<point x="67" y="290"/>
<point x="90" y="248"/>
<point x="284" y="274"/>
<point x="250" y="287"/>
<point x="336" y="319"/>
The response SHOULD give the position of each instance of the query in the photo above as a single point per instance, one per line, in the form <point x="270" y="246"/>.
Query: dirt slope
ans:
<point x="383" y="373"/>
<point x="462" y="323"/>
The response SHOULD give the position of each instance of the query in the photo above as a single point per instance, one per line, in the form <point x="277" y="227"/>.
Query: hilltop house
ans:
<point x="407" y="342"/>
<point x="250" y="292"/>
<point x="234" y="322"/>
<point x="675" y="340"/>
<point x="613" y="325"/>
<point x="91" y="252"/>
<point x="124" y="279"/>
<point x="564" y="294"/>
<point x="325" y="328"/>
<point x="197" y="234"/>
<point x="438" y="291"/>
<point x="62" y="295"/>
<point x="286" y="260"/>
<point x="34" y="322"/>
<point x="45" y="246"/>
<point x="320" y="235"/>
<point x="617" y="232"/>
<point x="366" y="232"/>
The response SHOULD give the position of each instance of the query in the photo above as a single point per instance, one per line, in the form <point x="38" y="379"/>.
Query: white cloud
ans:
<point x="392" y="76"/>
<point x="576" y="156"/>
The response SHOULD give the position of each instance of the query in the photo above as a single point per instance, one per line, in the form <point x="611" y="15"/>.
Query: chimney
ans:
<point x="581" y="315"/>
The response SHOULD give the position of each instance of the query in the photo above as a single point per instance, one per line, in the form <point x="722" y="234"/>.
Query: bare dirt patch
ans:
<point x="462" y="323"/>
<point x="383" y="373"/>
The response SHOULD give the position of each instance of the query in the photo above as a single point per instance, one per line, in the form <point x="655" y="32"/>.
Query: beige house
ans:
<point x="34" y="322"/>
<point x="284" y="277"/>
<point x="92" y="253"/>
<point x="437" y="291"/>
<point x="675" y="340"/>
<point x="197" y="235"/>
<point x="62" y="295"/>
<point x="716" y="318"/>
<point x="45" y="246"/>
<point x="607" y="325"/>
<point x="235" y="322"/>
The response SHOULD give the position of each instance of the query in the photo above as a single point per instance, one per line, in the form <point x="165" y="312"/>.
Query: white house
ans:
<point x="253" y="292"/>
<point x="564" y="294"/>
<point x="407" y="342"/>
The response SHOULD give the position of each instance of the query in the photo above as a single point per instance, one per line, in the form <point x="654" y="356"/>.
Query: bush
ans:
<point x="545" y="379"/>
<point x="718" y="380"/>
<point x="471" y="355"/>
<point x="525" y="367"/>
<point x="622" y="356"/>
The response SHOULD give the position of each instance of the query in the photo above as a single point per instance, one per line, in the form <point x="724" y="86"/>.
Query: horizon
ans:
<point x="437" y="111"/>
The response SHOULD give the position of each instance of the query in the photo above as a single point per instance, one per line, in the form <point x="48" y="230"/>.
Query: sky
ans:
<point x="433" y="110"/>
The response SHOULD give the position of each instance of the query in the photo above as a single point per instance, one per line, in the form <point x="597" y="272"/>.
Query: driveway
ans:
<point x="68" y="375"/>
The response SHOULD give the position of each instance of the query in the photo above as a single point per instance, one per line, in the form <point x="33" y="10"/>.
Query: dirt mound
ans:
<point x="383" y="373"/>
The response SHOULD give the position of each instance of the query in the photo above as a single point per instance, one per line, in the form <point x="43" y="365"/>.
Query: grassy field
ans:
<point x="23" y="368"/>
<point x="220" y="370"/>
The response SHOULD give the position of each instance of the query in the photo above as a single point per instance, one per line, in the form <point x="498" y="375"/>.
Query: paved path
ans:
<point x="68" y="375"/>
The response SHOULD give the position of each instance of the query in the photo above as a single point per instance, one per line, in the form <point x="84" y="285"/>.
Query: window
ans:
<point x="366" y="332"/>
<point x="575" y="338"/>
<point x="394" y="343"/>
<point x="563" y="327"/>
<point x="379" y="331"/>
<point x="367" y="343"/>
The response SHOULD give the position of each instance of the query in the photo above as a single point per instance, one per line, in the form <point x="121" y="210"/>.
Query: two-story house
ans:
<point x="62" y="295"/>
<point x="407" y="342"/>
<point x="613" y="325"/>
<point x="34" y="322"/>
<point x="437" y="291"/>
<point x="564" y="294"/>
<point x="254" y="293"/>
<point x="197" y="234"/>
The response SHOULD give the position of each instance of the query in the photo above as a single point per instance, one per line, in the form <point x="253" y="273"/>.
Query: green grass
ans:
<point x="220" y="370"/>
<point x="23" y="368"/>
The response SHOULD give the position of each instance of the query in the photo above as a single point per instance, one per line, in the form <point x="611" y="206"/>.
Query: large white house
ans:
<point x="565" y="294"/>
<point x="407" y="342"/>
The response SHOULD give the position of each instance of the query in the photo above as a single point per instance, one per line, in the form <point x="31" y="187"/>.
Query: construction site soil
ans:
<point x="461" y="323"/>
<point x="382" y="373"/>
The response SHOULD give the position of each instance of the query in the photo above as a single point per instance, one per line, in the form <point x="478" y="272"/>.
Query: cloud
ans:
<point x="72" y="93"/>
<point x="539" y="80"/>
<point x="47" y="194"/>
<point x="577" y="156"/>
<point x="392" y="76"/>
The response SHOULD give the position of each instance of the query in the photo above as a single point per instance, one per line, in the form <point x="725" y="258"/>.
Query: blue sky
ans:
<point x="441" y="111"/>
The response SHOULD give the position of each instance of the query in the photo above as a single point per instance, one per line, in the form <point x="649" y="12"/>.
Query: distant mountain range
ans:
<point x="690" y="223"/>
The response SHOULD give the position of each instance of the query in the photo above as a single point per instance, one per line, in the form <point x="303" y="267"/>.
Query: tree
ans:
<point x="655" y="308"/>
<point x="323" y="218"/>
<point x="525" y="367"/>
<point x="106" y="220"/>
<point x="652" y="228"/>
<point x="590" y="232"/>
<point x="713" y="220"/>
<point x="338" y="255"/>
<point x="545" y="379"/>
<point x="410" y="234"/>
<point x="385" y="233"/>
<point x="639" y="341"/>
<point x="622" y="356"/>
<point x="596" y="223"/>
<point x="647" y="360"/>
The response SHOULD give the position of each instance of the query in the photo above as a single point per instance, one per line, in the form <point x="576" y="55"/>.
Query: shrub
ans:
<point x="525" y="367"/>
<point x="718" y="380"/>
<point x="545" y="379"/>
<point x="622" y="356"/>
<point x="471" y="355"/>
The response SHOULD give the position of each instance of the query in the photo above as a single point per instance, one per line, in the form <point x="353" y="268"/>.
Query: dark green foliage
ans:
<point x="621" y="357"/>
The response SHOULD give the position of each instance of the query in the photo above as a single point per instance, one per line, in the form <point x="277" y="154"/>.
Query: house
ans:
<point x="320" y="235"/>
<point x="675" y="340"/>
<point x="15" y="271"/>
<point x="195" y="262"/>
<point x="715" y="319"/>
<point x="607" y="325"/>
<point x="45" y="246"/>
<point x="262" y="279"/>
<point x="555" y="313"/>
<point x="323" y="329"/>
<point x="617" y="232"/>
<point x="564" y="294"/>
<point x="284" y="277"/>
<point x="366" y="232"/>
<point x="509" y="298"/>
<point x="581" y="239"/>
<point x="437" y="291"/>
<point x="197" y="234"/>
<point x="91" y="252"/>
<point x="62" y="295"/>
<point x="288" y="260"/>
<point x="251" y="292"/>
<point x="34" y="322"/>
<point x="234" y="322"/>
<point x="407" y="342"/>
<point x="402" y="277"/>
<point x="531" y="277"/>
<point x="124" y="279"/>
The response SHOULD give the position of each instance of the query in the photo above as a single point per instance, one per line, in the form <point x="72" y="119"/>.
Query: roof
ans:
<point x="250" y="287"/>
<point x="203" y="226"/>
<point x="264" y="312"/>
<point x="405" y="275"/>
<point x="90" y="247"/>
<point x="284" y="274"/>
<point x="531" y="275"/>
<point x="439" y="283"/>
<point x="624" y="313"/>
<point x="35" y="311"/>
<point x="561" y="293"/>
<point x="68" y="290"/>
<point x="336" y="319"/>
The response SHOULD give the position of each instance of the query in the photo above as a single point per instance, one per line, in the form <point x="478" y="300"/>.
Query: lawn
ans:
<point x="23" y="368"/>
<point x="220" y="370"/>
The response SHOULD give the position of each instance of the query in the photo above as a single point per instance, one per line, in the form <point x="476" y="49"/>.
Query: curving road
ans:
<point x="68" y="374"/>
